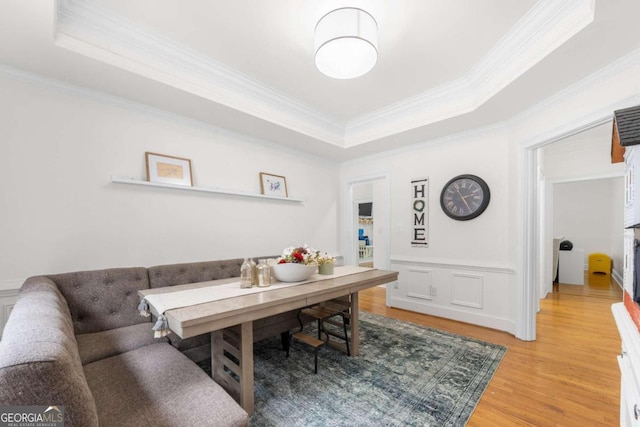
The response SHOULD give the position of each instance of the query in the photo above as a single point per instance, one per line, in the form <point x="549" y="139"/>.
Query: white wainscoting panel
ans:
<point x="467" y="289"/>
<point x="419" y="283"/>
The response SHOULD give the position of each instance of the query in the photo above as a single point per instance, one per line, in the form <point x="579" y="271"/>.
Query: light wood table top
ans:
<point x="202" y="318"/>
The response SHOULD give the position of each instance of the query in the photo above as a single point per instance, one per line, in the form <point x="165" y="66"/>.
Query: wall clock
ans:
<point x="465" y="197"/>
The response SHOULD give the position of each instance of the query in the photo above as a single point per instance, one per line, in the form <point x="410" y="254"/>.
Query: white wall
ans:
<point x="380" y="225"/>
<point x="468" y="264"/>
<point x="363" y="192"/>
<point x="500" y="248"/>
<point x="586" y="155"/>
<point x="587" y="214"/>
<point x="60" y="212"/>
<point x="582" y="164"/>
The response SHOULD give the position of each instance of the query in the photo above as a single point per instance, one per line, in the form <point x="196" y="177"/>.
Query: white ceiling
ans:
<point x="247" y="65"/>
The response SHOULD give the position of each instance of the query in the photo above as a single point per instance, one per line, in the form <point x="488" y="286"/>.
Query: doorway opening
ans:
<point x="536" y="253"/>
<point x="366" y="222"/>
<point x="365" y="226"/>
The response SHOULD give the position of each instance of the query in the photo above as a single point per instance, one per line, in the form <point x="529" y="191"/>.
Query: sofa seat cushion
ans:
<point x="183" y="344"/>
<point x="196" y="348"/>
<point x="100" y="345"/>
<point x="156" y="385"/>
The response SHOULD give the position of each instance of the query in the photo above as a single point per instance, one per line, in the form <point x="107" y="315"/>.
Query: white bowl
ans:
<point x="292" y="272"/>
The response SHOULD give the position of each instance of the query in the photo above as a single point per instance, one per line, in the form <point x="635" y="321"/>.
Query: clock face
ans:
<point x="465" y="197"/>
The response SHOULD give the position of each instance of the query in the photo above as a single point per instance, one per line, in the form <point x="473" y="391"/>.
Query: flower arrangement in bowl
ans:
<point x="296" y="264"/>
<point x="298" y="255"/>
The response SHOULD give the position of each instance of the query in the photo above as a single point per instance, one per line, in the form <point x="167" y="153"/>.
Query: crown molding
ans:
<point x="99" y="34"/>
<point x="464" y="136"/>
<point x="446" y="101"/>
<point x="611" y="70"/>
<point x="548" y="25"/>
<point x="594" y="118"/>
<point x="600" y="115"/>
<point x="52" y="84"/>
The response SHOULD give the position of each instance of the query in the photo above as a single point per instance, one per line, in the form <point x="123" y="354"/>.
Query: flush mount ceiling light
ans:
<point x="346" y="43"/>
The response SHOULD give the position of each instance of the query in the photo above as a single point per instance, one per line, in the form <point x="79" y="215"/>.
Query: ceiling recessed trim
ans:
<point x="548" y="25"/>
<point x="102" y="35"/>
<point x="617" y="70"/>
<point x="94" y="95"/>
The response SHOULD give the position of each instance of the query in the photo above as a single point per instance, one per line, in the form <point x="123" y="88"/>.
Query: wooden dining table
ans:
<point x="230" y="320"/>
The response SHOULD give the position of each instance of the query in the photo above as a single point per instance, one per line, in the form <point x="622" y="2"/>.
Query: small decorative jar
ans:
<point x="264" y="274"/>
<point x="245" y="274"/>
<point x="254" y="272"/>
<point x="326" y="268"/>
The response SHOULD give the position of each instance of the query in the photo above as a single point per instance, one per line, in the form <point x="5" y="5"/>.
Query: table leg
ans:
<point x="232" y="348"/>
<point x="246" y="364"/>
<point x="355" y="337"/>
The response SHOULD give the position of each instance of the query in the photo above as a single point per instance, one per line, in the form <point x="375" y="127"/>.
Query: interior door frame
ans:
<point x="530" y="226"/>
<point x="348" y="215"/>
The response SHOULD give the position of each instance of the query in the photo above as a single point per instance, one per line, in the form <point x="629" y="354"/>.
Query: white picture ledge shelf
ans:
<point x="127" y="180"/>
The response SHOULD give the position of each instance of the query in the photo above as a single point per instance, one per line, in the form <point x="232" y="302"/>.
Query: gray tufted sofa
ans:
<point x="77" y="340"/>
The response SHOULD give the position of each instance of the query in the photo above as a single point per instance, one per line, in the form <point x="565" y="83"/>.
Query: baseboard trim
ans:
<point x="618" y="278"/>
<point x="479" y="319"/>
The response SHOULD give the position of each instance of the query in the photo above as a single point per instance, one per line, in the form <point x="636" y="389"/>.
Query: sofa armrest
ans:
<point x="39" y="360"/>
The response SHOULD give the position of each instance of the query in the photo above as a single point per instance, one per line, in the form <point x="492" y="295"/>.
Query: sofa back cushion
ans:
<point x="193" y="272"/>
<point x="39" y="361"/>
<point x="100" y="300"/>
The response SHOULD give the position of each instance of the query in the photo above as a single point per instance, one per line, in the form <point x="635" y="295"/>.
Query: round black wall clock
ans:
<point x="465" y="197"/>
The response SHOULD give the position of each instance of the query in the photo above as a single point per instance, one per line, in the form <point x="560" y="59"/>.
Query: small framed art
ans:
<point x="273" y="185"/>
<point x="168" y="169"/>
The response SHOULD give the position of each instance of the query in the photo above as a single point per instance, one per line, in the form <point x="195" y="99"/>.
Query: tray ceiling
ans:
<point x="247" y="65"/>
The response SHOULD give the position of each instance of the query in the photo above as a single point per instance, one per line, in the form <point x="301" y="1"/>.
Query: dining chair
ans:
<point x="333" y="312"/>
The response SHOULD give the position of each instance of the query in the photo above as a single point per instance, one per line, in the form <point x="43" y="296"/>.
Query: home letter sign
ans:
<point x="420" y="213"/>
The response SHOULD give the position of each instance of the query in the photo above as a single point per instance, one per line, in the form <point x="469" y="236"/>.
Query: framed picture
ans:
<point x="273" y="185"/>
<point x="168" y="169"/>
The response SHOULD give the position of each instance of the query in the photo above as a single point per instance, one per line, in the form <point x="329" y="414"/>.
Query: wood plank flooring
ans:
<point x="567" y="377"/>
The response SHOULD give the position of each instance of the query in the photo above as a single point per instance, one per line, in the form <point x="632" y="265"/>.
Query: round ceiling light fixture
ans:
<point x="346" y="43"/>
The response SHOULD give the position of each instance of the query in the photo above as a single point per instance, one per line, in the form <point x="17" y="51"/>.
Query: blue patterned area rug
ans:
<point x="405" y="375"/>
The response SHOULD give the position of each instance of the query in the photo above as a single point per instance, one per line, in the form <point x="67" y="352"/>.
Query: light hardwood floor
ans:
<point x="567" y="377"/>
